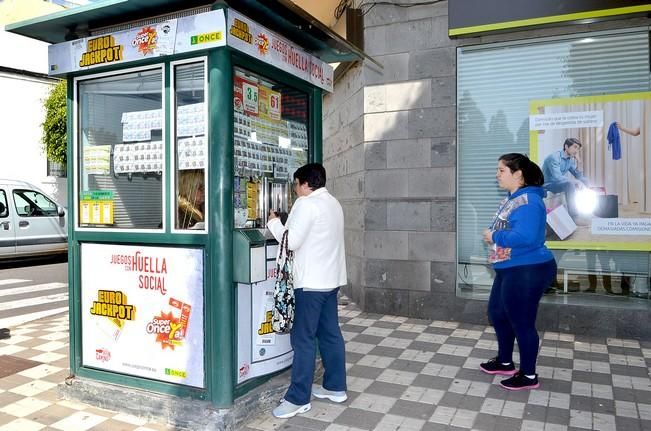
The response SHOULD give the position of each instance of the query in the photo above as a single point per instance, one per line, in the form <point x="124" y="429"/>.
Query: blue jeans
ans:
<point x="512" y="309"/>
<point x="316" y="320"/>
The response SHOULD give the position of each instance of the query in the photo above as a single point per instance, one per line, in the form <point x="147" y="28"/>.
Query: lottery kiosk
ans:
<point x="186" y="121"/>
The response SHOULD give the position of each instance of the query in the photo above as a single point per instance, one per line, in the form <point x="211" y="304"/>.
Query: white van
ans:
<point x="31" y="222"/>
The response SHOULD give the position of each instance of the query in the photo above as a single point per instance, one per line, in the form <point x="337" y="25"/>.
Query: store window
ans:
<point x="121" y="151"/>
<point x="270" y="143"/>
<point x="590" y="75"/>
<point x="191" y="145"/>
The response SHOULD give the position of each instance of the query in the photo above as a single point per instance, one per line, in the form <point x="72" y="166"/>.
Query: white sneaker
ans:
<point x="287" y="410"/>
<point x="335" y="396"/>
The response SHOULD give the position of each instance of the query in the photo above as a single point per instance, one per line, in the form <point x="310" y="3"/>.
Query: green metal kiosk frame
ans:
<point x="90" y="36"/>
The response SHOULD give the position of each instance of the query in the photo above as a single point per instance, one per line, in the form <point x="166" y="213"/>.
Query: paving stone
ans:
<point x="402" y="374"/>
<point x="357" y="418"/>
<point x="412" y="409"/>
<point x="386" y="389"/>
<point x="409" y="366"/>
<point x="13" y="364"/>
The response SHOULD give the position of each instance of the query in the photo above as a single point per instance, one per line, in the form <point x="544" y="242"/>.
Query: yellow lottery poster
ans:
<point x="96" y="207"/>
<point x="269" y="103"/>
<point x="252" y="199"/>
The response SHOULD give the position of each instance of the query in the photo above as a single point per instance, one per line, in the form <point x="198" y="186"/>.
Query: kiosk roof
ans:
<point x="281" y="16"/>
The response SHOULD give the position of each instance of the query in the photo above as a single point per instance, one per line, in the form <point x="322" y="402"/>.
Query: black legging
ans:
<point x="512" y="309"/>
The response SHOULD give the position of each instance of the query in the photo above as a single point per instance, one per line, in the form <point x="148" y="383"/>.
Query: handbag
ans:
<point x="283" y="312"/>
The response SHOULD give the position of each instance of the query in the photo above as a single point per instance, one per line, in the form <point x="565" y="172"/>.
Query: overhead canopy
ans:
<point x="281" y="16"/>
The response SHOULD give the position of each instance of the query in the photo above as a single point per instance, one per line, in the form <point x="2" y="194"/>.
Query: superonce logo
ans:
<point x="145" y="40"/>
<point x="262" y="43"/>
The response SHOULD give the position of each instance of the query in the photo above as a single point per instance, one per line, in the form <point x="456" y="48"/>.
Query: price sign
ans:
<point x="274" y="105"/>
<point x="250" y="98"/>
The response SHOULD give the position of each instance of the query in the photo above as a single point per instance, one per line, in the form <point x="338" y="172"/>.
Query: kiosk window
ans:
<point x="270" y="141"/>
<point x="121" y="151"/>
<point x="191" y="145"/>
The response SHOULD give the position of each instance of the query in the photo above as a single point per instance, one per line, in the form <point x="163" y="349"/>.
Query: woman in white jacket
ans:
<point x="316" y="235"/>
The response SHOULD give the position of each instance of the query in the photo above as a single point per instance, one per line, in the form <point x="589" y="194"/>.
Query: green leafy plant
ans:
<point x="54" y="126"/>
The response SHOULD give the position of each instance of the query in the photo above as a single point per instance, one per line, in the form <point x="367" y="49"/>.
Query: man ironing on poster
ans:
<point x="555" y="169"/>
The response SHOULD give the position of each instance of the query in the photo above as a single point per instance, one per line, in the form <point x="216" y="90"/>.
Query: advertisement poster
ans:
<point x="244" y="94"/>
<point x="260" y="350"/>
<point x="96" y="207"/>
<point x="142" y="311"/>
<point x="250" y="96"/>
<point x="97" y="159"/>
<point x="598" y="192"/>
<point x="174" y="36"/>
<point x="269" y="103"/>
<point x="251" y="38"/>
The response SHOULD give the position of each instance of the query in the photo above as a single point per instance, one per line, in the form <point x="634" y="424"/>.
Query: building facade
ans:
<point x="25" y="85"/>
<point x="411" y="150"/>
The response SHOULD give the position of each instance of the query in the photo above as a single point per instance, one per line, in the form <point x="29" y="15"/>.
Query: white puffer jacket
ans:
<point x="316" y="235"/>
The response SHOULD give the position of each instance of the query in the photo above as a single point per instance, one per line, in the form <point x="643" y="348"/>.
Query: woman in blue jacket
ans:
<point x="524" y="268"/>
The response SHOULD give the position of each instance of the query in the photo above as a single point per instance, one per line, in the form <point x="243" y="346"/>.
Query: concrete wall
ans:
<point x="389" y="148"/>
<point x="390" y="153"/>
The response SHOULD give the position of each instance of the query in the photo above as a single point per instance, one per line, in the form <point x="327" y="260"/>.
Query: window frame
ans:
<point x="247" y="66"/>
<point x="76" y="150"/>
<point x="17" y="191"/>
<point x="5" y="213"/>
<point x="173" y="146"/>
<point x="469" y="290"/>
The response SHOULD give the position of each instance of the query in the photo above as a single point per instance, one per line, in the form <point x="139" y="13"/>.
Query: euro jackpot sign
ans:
<point x="101" y="50"/>
<point x="240" y="30"/>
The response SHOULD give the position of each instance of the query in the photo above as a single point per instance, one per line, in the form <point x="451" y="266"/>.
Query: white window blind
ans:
<point x="494" y="86"/>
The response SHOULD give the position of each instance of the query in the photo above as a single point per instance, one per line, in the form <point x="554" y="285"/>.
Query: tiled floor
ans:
<point x="28" y="399"/>
<point x="403" y="374"/>
<point x="406" y="374"/>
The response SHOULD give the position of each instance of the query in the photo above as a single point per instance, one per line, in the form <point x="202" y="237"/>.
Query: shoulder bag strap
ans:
<point x="283" y="245"/>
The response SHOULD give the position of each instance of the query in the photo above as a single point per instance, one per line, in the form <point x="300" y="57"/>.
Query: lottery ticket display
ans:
<point x="138" y="157"/>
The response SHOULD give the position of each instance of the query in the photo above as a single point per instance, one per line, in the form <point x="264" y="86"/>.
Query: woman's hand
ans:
<point x="488" y="236"/>
<point x="272" y="215"/>
<point x="630" y="131"/>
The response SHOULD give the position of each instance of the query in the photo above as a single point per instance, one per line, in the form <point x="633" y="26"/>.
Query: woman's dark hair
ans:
<point x="312" y="173"/>
<point x="531" y="173"/>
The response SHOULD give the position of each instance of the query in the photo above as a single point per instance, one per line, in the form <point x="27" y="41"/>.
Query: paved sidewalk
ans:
<point x="28" y="398"/>
<point x="403" y="374"/>
<point x="406" y="374"/>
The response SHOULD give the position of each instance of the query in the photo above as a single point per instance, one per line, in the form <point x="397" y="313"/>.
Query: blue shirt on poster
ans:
<point x="557" y="164"/>
<point x="614" y="142"/>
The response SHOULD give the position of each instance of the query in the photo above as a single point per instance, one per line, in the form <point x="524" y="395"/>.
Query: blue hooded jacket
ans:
<point x="614" y="142"/>
<point x="519" y="230"/>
